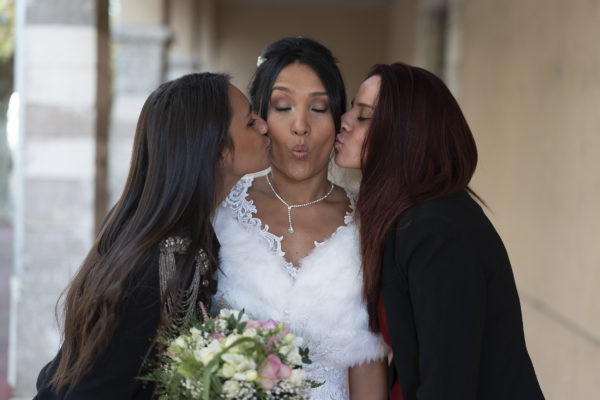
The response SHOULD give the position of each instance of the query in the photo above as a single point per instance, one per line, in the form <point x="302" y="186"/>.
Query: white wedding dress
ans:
<point x="319" y="301"/>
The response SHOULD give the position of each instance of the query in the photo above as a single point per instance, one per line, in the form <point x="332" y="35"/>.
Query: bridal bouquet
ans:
<point x="232" y="357"/>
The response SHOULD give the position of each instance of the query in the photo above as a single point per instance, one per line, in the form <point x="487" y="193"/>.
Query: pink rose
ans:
<point x="271" y="371"/>
<point x="268" y="324"/>
<point x="217" y="336"/>
<point x="284" y="372"/>
<point x="268" y="371"/>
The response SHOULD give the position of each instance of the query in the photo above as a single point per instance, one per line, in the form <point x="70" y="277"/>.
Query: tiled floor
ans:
<point x="5" y="268"/>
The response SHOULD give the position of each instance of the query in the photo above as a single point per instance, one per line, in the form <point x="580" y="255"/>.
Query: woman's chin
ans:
<point x="343" y="162"/>
<point x="339" y="159"/>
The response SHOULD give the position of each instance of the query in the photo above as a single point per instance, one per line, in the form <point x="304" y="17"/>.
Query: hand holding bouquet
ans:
<point x="232" y="357"/>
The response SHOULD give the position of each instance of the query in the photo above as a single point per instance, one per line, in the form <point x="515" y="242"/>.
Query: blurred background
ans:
<point x="74" y="75"/>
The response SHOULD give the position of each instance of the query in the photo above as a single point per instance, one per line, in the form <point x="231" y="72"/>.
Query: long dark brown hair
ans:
<point x="419" y="147"/>
<point x="180" y="134"/>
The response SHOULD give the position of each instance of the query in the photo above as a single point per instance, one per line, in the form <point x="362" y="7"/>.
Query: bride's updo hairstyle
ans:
<point x="283" y="52"/>
<point x="419" y="147"/>
<point x="181" y="132"/>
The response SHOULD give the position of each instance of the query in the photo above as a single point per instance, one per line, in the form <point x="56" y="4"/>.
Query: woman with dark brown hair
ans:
<point x="437" y="279"/>
<point x="155" y="256"/>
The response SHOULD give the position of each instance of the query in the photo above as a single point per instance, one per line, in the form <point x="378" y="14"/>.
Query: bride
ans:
<point x="289" y="242"/>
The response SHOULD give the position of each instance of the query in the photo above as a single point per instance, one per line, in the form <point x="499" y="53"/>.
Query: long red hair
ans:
<point x="419" y="147"/>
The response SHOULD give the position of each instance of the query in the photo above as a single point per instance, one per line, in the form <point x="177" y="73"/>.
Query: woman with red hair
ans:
<point x="437" y="279"/>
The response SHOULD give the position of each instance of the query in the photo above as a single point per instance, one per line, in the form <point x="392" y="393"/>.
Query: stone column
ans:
<point x="63" y="83"/>
<point x="140" y="38"/>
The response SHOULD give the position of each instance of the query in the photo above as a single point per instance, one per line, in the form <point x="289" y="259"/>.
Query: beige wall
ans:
<point x="142" y="12"/>
<point x="182" y="19"/>
<point x="402" y="36"/>
<point x="357" y="35"/>
<point x="529" y="83"/>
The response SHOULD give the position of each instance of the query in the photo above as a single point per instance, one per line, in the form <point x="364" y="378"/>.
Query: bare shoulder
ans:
<point x="259" y="188"/>
<point x="339" y="200"/>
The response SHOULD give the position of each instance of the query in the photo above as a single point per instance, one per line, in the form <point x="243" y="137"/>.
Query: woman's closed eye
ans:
<point x="251" y="122"/>
<point x="361" y="119"/>
<point x="321" y="110"/>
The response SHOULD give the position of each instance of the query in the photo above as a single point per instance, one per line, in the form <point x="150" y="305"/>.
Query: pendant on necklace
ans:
<point x="289" y="207"/>
<point x="291" y="228"/>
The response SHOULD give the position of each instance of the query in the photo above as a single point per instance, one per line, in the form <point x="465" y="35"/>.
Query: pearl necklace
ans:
<point x="289" y="207"/>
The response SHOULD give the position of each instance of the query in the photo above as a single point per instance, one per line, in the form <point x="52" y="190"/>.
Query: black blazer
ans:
<point x="452" y="307"/>
<point x="113" y="376"/>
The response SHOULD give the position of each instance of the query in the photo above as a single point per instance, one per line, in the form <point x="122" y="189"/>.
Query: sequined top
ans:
<point x="166" y="268"/>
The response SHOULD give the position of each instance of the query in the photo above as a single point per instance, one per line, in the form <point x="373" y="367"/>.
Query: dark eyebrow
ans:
<point x="284" y="89"/>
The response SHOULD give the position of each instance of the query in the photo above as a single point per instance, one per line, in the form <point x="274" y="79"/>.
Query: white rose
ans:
<point x="228" y="370"/>
<point x="237" y="360"/>
<point x="215" y="345"/>
<point x="179" y="342"/>
<point x="231" y="388"/>
<point x="288" y="338"/>
<point x="239" y="376"/>
<point x="285" y="350"/>
<point x="249" y="332"/>
<point x="294" y="357"/>
<point x="205" y="355"/>
<point x="195" y="332"/>
<point x="251" y="375"/>
<point x="297" y="377"/>
<point x="231" y="339"/>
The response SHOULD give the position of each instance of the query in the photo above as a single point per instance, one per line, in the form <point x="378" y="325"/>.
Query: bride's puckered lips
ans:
<point x="300" y="151"/>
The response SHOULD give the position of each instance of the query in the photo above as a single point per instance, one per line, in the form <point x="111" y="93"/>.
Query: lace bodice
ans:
<point x="320" y="300"/>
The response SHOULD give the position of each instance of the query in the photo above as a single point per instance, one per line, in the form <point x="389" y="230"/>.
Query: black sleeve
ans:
<point x="448" y="294"/>
<point x="113" y="375"/>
